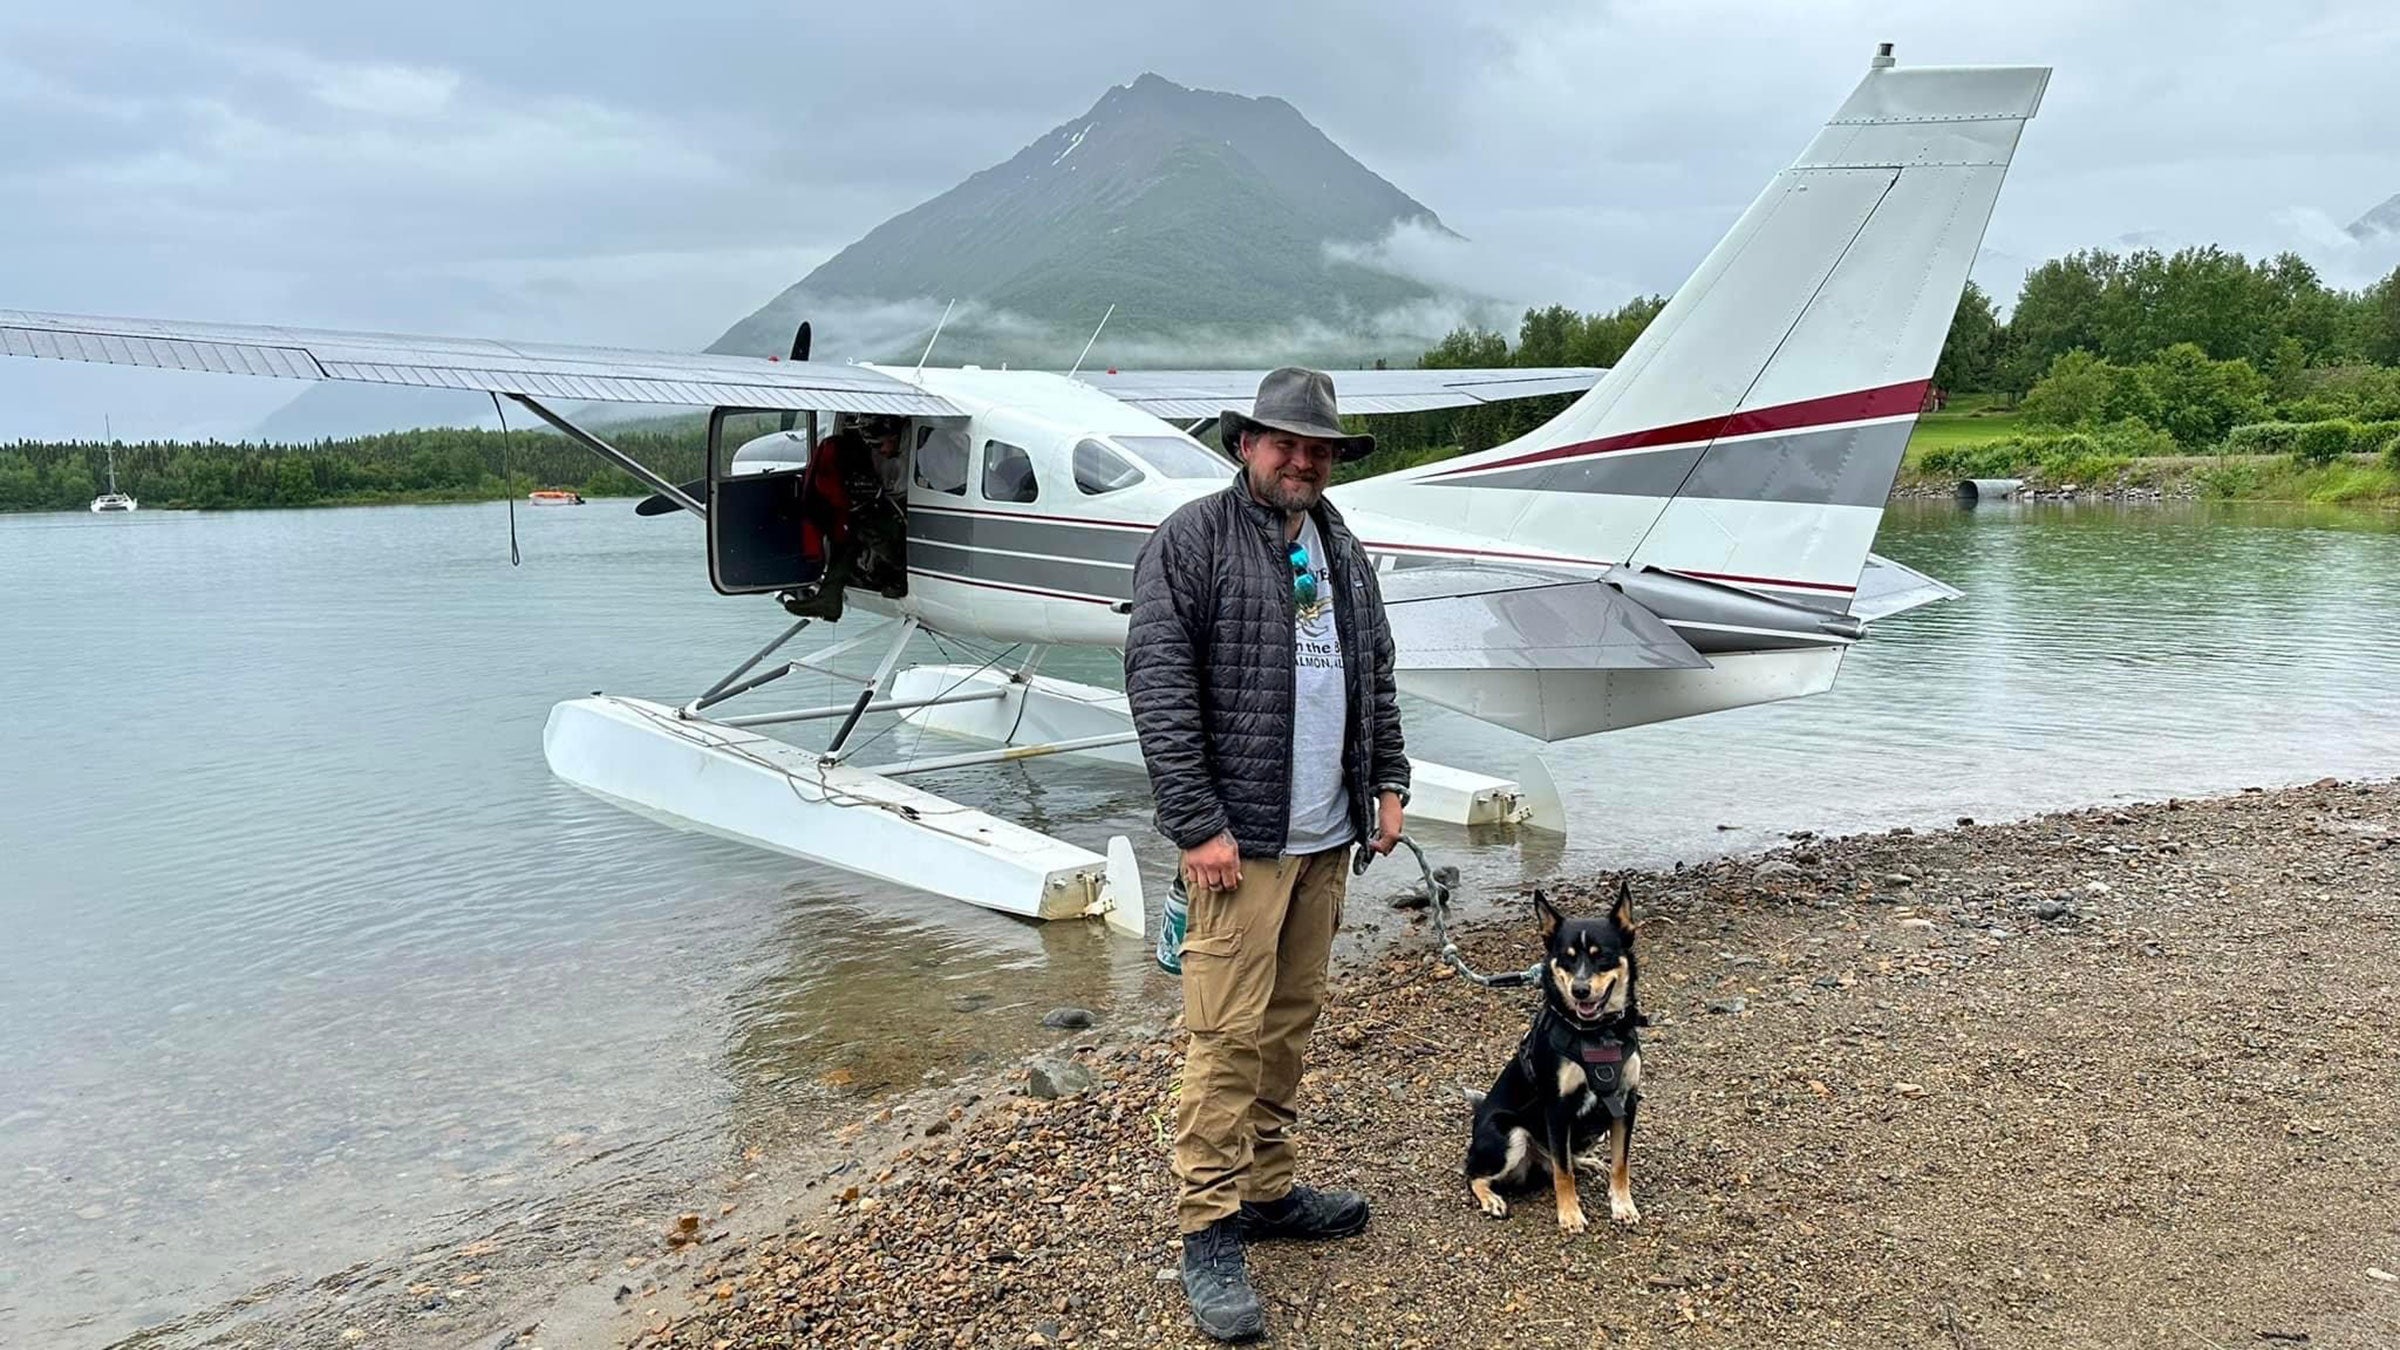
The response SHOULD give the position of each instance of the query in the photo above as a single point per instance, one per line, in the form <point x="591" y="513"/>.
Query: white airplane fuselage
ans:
<point x="1057" y="569"/>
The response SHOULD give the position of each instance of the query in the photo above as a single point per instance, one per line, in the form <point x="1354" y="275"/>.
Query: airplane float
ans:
<point x="1691" y="534"/>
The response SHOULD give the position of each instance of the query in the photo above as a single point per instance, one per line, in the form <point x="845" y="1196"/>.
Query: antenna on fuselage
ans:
<point x="1087" y="347"/>
<point x="937" y="333"/>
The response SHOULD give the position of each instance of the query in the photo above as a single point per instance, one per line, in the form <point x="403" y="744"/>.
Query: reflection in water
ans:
<point x="310" y="959"/>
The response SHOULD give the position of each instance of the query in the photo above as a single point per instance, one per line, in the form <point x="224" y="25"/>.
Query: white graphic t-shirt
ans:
<point x="1320" y="715"/>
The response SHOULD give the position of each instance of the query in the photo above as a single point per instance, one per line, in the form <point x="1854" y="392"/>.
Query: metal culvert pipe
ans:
<point x="1973" y="490"/>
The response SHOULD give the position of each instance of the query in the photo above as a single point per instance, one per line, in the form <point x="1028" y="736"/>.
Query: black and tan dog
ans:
<point x="1577" y="1075"/>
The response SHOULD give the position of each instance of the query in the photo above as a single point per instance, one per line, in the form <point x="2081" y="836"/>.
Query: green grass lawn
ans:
<point x="1969" y="418"/>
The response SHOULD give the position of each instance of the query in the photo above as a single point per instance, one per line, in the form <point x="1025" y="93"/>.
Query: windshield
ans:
<point x="1176" y="456"/>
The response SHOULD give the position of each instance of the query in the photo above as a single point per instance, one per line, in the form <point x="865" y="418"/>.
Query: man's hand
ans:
<point x="1215" y="865"/>
<point x="1387" y="823"/>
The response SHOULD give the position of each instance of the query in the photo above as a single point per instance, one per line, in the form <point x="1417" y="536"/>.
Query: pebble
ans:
<point x="1774" y="869"/>
<point x="975" y="1242"/>
<point x="1068" y="1019"/>
<point x="967" y="1003"/>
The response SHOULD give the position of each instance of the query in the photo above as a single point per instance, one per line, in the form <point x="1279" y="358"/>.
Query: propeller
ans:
<point x="800" y="340"/>
<point x="658" y="505"/>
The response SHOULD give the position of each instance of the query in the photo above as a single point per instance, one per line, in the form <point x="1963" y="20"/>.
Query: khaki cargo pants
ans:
<point x="1253" y="983"/>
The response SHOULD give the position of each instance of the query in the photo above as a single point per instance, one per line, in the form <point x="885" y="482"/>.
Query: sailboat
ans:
<point x="113" y="500"/>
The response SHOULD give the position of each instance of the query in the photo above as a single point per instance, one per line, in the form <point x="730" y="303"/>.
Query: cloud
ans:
<point x="1479" y="277"/>
<point x="604" y="172"/>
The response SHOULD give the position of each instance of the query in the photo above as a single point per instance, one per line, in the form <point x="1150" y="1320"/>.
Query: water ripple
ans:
<point x="310" y="957"/>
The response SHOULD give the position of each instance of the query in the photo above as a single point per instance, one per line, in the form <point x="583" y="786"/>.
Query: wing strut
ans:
<point x="614" y="456"/>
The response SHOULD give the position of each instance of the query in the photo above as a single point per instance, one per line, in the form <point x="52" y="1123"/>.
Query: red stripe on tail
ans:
<point x="1890" y="400"/>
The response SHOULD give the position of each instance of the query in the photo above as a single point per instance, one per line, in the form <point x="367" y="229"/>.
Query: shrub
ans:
<point x="2075" y="393"/>
<point x="2071" y="457"/>
<point x="2136" y="439"/>
<point x="2262" y="438"/>
<point x="2227" y="480"/>
<point x="2324" y="442"/>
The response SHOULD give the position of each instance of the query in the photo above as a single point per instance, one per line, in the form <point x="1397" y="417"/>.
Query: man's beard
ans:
<point x="1284" y="494"/>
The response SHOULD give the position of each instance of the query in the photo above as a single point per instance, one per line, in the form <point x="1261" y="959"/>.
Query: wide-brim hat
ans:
<point x="1299" y="401"/>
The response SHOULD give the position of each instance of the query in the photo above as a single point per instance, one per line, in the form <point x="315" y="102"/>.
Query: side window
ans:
<point x="942" y="460"/>
<point x="1007" y="473"/>
<point x="1099" y="469"/>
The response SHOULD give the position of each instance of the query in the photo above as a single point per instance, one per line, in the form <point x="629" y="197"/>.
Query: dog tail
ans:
<point x="1473" y="1096"/>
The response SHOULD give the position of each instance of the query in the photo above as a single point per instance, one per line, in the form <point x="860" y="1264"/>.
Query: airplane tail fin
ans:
<point x="1752" y="434"/>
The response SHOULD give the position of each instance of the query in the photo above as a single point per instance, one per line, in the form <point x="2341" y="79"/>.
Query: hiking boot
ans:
<point x="1306" y="1213"/>
<point x="1216" y="1278"/>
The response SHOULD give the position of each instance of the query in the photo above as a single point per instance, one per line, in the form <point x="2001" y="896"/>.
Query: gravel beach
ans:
<point x="2118" y="1077"/>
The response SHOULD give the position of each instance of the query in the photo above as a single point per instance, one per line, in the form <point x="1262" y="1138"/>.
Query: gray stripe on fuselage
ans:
<point x="1625" y="473"/>
<point x="1836" y="466"/>
<point x="1050" y="538"/>
<point x="1008" y="569"/>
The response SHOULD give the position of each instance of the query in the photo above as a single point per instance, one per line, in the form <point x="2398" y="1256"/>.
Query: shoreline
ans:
<point x="1913" y="1089"/>
<point x="2361" y="483"/>
<point x="1793" y="1192"/>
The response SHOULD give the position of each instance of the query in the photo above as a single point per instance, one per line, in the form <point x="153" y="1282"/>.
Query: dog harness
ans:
<point x="1601" y="1052"/>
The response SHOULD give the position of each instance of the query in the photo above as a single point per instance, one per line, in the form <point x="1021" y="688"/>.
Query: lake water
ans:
<point x="306" y="960"/>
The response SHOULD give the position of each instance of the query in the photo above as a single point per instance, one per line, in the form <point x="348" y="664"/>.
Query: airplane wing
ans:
<point x="605" y="374"/>
<point x="1205" y="393"/>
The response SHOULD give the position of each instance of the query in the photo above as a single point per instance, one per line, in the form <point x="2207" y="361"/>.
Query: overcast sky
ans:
<point x="610" y="172"/>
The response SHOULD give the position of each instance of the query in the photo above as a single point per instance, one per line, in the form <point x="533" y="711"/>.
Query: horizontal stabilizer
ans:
<point x="1484" y="618"/>
<point x="1887" y="588"/>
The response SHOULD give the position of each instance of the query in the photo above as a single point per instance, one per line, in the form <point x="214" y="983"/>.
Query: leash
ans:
<point x="1437" y="896"/>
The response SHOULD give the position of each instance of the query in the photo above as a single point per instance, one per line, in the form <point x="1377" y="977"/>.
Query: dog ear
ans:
<point x="1549" y="916"/>
<point x="1621" y="913"/>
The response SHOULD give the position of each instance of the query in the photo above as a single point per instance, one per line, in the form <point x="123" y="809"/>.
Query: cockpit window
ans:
<point x="1099" y="469"/>
<point x="1176" y="456"/>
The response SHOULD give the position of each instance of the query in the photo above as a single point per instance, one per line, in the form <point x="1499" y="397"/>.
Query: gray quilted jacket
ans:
<point x="1208" y="671"/>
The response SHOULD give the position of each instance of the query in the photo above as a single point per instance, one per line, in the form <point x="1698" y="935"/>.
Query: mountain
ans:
<point x="1223" y="228"/>
<point x="2381" y="223"/>
<point x="1206" y="218"/>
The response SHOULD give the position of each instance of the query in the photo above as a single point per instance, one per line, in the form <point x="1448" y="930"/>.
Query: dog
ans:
<point x="1576" y="1077"/>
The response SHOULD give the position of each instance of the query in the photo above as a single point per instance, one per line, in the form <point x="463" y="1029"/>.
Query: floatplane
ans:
<point x="1693" y="533"/>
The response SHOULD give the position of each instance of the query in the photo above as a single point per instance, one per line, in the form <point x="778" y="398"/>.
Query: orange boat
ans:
<point x="554" y="497"/>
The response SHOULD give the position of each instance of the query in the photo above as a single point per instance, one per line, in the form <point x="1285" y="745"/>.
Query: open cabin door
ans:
<point x="761" y="535"/>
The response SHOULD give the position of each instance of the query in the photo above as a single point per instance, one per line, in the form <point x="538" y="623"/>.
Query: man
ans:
<point x="879" y="520"/>
<point x="1259" y="669"/>
<point x="851" y="520"/>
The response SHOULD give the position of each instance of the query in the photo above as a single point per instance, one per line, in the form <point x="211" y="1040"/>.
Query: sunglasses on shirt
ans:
<point x="1304" y="580"/>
